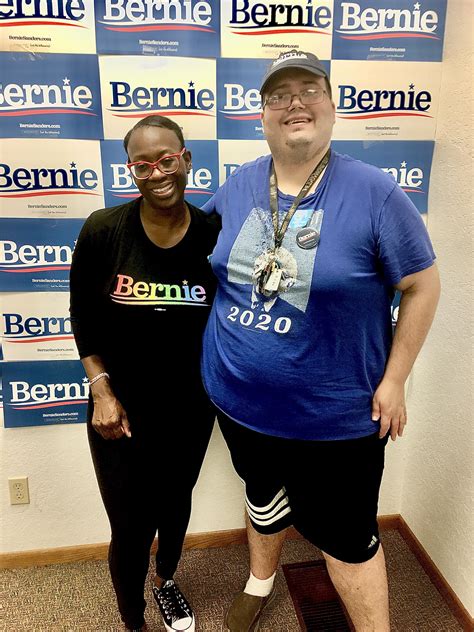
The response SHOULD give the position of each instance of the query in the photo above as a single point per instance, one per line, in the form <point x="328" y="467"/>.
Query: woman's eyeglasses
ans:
<point x="142" y="170"/>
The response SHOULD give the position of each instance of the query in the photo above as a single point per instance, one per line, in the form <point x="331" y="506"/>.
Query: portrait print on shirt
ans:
<point x="295" y="262"/>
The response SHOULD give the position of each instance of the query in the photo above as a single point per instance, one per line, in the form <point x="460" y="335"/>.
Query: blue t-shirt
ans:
<point x="305" y="364"/>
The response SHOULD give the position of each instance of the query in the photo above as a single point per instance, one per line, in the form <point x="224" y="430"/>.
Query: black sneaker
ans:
<point x="176" y="612"/>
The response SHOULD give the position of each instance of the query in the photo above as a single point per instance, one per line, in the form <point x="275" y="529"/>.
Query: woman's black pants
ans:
<point x="146" y="484"/>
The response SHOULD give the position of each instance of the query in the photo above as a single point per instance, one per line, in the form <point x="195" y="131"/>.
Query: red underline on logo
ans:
<point x="41" y="22"/>
<point x="52" y="404"/>
<point x="385" y="114"/>
<point x="242" y="117"/>
<point x="412" y="190"/>
<point x="24" y="112"/>
<point x="40" y="339"/>
<point x="387" y="36"/>
<point x="135" y="29"/>
<point x="23" y="195"/>
<point x="167" y="113"/>
<point x="198" y="192"/>
<point x="278" y="31"/>
<point x="126" y="195"/>
<point x="35" y="269"/>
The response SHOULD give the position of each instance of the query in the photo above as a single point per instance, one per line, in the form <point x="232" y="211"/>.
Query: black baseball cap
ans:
<point x="294" y="59"/>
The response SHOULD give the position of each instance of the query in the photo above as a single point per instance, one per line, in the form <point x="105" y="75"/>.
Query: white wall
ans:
<point x="437" y="491"/>
<point x="65" y="507"/>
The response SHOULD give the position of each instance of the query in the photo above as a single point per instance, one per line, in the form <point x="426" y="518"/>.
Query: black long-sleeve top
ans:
<point x="137" y="305"/>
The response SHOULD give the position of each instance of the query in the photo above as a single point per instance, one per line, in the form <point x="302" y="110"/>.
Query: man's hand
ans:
<point x="109" y="418"/>
<point x="420" y="293"/>
<point x="388" y="405"/>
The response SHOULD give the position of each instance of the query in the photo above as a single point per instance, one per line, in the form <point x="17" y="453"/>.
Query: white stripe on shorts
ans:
<point x="270" y="521"/>
<point x="271" y="513"/>
<point x="278" y="496"/>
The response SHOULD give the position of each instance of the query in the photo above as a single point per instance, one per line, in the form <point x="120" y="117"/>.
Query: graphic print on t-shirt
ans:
<point x="129" y="291"/>
<point x="248" y="256"/>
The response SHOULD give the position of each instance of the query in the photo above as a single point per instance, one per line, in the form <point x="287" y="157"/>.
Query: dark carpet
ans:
<point x="79" y="596"/>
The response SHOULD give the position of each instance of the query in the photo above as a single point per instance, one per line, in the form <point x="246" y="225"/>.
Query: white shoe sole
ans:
<point x="192" y="627"/>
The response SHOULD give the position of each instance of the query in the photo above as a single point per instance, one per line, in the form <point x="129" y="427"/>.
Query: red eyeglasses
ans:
<point x="142" y="170"/>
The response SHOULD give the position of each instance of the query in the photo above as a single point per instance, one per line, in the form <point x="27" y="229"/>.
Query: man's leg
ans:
<point x="254" y="457"/>
<point x="247" y="607"/>
<point x="364" y="590"/>
<point x="264" y="551"/>
<point x="345" y="502"/>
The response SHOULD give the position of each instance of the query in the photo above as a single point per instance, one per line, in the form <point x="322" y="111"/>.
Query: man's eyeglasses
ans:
<point x="142" y="170"/>
<point x="311" y="96"/>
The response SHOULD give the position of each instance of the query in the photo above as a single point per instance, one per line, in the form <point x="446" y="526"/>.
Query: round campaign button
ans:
<point x="307" y="238"/>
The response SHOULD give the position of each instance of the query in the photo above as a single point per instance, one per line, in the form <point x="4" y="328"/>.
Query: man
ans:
<point x="298" y="352"/>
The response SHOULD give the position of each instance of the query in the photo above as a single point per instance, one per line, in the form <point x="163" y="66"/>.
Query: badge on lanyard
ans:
<point x="307" y="238"/>
<point x="268" y="272"/>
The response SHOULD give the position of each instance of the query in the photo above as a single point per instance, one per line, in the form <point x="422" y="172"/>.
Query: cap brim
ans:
<point x="277" y="71"/>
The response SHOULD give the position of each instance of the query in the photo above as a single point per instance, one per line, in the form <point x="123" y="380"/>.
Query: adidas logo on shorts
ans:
<point x="373" y="542"/>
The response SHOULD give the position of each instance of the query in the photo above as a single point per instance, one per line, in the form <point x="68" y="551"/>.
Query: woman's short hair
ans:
<point x="155" y="120"/>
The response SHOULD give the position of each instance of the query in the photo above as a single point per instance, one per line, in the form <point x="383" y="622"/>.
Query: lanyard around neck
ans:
<point x="279" y="232"/>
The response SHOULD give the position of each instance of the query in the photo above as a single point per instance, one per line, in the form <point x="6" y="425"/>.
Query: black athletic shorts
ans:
<point x="328" y="490"/>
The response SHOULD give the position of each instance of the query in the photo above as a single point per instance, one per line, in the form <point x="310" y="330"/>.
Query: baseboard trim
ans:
<point x="60" y="555"/>
<point x="88" y="552"/>
<point x="430" y="568"/>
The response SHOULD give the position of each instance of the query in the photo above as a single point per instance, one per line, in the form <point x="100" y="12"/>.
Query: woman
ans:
<point x="141" y="290"/>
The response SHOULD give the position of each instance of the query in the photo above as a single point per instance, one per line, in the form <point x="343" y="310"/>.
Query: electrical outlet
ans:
<point x="19" y="494"/>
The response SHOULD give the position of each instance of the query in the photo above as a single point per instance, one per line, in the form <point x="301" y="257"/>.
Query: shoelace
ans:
<point x="172" y="602"/>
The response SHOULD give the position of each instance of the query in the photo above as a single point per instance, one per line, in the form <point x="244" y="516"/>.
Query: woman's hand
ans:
<point x="109" y="418"/>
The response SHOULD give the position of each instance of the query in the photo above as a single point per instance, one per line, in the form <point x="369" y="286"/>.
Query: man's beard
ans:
<point x="301" y="149"/>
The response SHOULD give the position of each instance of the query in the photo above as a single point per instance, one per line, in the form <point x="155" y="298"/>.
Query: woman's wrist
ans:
<point x="103" y="375"/>
<point x="101" y="389"/>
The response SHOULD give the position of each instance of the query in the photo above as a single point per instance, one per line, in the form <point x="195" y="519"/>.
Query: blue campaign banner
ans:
<point x="43" y="96"/>
<point x="395" y="308"/>
<point x="44" y="393"/>
<point x="1" y="386"/>
<point x="185" y="27"/>
<point x="238" y="97"/>
<point x="50" y="178"/>
<point x="119" y="186"/>
<point x="203" y="179"/>
<point x="383" y="30"/>
<point x="36" y="254"/>
<point x="408" y="162"/>
<point x="59" y="26"/>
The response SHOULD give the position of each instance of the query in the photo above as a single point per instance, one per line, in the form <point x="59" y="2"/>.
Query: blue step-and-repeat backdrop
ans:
<point x="76" y="75"/>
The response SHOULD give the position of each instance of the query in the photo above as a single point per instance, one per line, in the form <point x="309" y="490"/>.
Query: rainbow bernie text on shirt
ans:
<point x="130" y="292"/>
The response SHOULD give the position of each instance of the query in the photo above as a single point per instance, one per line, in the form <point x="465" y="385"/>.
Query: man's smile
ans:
<point x="297" y="120"/>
